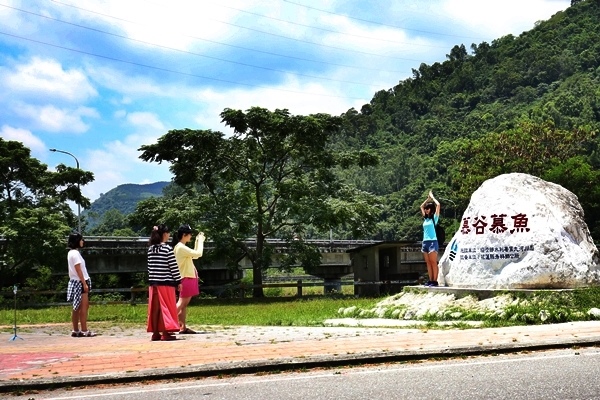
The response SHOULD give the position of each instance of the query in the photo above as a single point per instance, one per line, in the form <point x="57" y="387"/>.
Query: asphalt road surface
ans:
<point x="558" y="374"/>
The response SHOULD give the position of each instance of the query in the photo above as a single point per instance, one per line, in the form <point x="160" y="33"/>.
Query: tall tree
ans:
<point x="538" y="149"/>
<point x="112" y="223"/>
<point x="34" y="214"/>
<point x="272" y="176"/>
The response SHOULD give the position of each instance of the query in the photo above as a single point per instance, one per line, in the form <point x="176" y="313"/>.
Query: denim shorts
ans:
<point x="430" y="246"/>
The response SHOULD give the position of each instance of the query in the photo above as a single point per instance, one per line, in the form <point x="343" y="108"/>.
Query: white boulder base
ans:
<point x="521" y="232"/>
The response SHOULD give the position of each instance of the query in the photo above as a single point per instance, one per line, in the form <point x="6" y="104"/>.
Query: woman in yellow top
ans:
<point x="189" y="274"/>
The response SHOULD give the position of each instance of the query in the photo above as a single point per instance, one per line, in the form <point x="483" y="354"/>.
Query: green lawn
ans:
<point x="260" y="312"/>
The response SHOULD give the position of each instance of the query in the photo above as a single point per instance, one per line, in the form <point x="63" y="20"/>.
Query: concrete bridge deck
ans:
<point x="116" y="255"/>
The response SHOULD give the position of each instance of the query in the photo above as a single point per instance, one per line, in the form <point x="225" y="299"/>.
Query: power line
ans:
<point x="173" y="71"/>
<point x="187" y="52"/>
<point x="247" y="48"/>
<point x="323" y="29"/>
<point x="254" y="30"/>
<point x="378" y="23"/>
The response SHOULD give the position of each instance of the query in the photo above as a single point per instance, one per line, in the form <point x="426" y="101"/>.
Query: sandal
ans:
<point x="167" y="337"/>
<point x="187" y="331"/>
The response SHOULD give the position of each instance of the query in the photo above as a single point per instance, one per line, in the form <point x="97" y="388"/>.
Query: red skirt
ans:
<point x="168" y="309"/>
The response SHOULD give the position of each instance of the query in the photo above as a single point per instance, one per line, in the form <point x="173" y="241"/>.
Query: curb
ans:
<point x="287" y="364"/>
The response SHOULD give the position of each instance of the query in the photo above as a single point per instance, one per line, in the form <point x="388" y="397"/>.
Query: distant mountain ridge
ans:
<point x="123" y="198"/>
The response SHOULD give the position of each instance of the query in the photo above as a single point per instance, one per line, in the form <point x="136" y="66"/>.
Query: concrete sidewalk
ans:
<point x="47" y="356"/>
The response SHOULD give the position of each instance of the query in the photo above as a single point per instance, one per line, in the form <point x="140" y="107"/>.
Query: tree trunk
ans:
<point x="257" y="292"/>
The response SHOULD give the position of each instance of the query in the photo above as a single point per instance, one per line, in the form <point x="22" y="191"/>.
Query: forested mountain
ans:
<point x="526" y="104"/>
<point x="123" y="198"/>
<point x="519" y="104"/>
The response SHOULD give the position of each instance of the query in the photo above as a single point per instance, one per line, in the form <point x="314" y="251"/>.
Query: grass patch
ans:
<point x="253" y="312"/>
<point x="541" y="307"/>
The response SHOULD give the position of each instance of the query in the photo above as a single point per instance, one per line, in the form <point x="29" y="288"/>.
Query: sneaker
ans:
<point x="76" y="334"/>
<point x="434" y="283"/>
<point x="88" y="334"/>
<point x="155" y="337"/>
<point x="427" y="284"/>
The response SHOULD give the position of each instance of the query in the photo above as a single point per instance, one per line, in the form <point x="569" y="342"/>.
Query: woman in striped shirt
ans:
<point x="163" y="279"/>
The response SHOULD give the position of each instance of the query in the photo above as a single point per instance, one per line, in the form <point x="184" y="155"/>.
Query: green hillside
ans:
<point x="519" y="104"/>
<point x="527" y="103"/>
<point x="123" y="198"/>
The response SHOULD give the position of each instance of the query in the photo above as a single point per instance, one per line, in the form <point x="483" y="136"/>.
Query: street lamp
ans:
<point x="78" y="206"/>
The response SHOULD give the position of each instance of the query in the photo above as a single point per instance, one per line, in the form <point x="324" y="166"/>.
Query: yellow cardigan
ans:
<point x="184" y="256"/>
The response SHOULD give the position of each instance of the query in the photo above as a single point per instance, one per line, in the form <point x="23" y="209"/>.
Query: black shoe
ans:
<point x="434" y="283"/>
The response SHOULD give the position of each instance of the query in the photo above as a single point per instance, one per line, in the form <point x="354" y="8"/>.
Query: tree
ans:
<point x="34" y="214"/>
<point x="531" y="148"/>
<point x="577" y="175"/>
<point x="273" y="177"/>
<point x="112" y="223"/>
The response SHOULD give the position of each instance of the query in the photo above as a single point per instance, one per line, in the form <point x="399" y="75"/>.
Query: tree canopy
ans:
<point x="517" y="104"/>
<point x="34" y="214"/>
<point x="273" y="177"/>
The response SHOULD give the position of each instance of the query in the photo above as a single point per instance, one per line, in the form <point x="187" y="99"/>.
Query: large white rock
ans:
<point x="521" y="232"/>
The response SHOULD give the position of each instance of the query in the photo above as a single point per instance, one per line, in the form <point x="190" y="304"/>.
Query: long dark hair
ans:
<point x="156" y="237"/>
<point x="183" y="229"/>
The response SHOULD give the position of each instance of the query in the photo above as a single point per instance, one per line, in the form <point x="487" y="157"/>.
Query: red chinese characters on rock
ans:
<point x="496" y="224"/>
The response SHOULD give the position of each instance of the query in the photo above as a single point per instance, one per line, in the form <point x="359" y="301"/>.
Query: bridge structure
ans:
<point x="119" y="255"/>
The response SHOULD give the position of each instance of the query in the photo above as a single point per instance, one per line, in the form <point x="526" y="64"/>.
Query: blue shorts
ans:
<point x="429" y="246"/>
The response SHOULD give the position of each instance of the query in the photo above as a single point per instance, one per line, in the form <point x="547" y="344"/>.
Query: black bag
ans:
<point x="440" y="234"/>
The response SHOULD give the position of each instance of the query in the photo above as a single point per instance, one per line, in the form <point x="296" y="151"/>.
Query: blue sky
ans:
<point x="100" y="78"/>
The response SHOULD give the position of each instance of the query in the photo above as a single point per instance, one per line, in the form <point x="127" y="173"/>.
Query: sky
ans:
<point x="100" y="78"/>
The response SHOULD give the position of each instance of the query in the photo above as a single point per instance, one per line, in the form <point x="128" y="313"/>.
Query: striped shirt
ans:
<point x="162" y="266"/>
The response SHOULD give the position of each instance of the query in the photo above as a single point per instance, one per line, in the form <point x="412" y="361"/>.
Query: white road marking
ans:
<point x="327" y="375"/>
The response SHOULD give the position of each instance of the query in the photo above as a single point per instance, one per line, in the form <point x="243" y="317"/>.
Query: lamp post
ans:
<point x="78" y="206"/>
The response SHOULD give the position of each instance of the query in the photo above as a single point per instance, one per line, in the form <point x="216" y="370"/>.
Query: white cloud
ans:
<point x="52" y="90"/>
<point x="15" y="22"/>
<point x="497" y="19"/>
<point x="146" y="120"/>
<point x="45" y="78"/>
<point x="175" y="23"/>
<point x="53" y="119"/>
<point x="130" y="86"/>
<point x="119" y="160"/>
<point x="383" y="40"/>
<point x="24" y="136"/>
<point x="120" y="114"/>
<point x="117" y="163"/>
<point x="298" y="98"/>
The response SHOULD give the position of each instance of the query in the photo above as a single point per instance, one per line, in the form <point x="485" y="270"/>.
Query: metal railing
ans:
<point x="137" y="295"/>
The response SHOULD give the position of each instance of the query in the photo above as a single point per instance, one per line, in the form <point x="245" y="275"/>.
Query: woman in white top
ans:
<point x="79" y="287"/>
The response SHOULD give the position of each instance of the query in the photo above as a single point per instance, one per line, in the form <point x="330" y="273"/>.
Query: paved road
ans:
<point x="47" y="356"/>
<point x="551" y="374"/>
